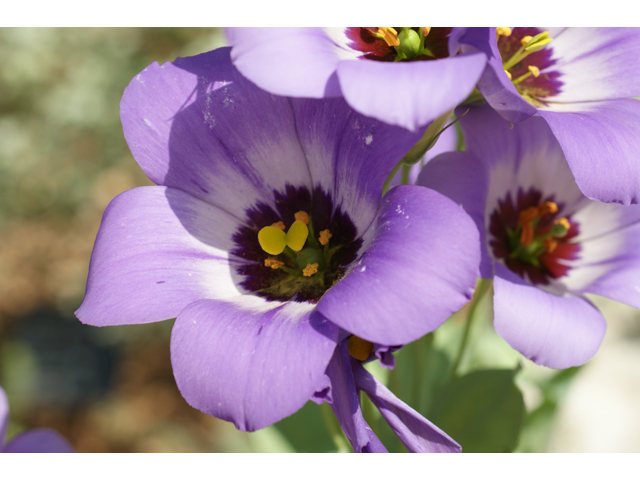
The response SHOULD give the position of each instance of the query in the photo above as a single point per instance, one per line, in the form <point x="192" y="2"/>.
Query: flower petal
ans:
<point x="349" y="155"/>
<point x="249" y="361"/>
<point x="346" y="404"/>
<point x="555" y="331"/>
<point x="416" y="432"/>
<point x="464" y="179"/>
<point x="597" y="64"/>
<point x="297" y="62"/>
<point x="419" y="268"/>
<point x="197" y="124"/>
<point x="4" y="416"/>
<point x="156" y="252"/>
<point x="601" y="141"/>
<point x="401" y="93"/>
<point x="494" y="84"/>
<point x="38" y="441"/>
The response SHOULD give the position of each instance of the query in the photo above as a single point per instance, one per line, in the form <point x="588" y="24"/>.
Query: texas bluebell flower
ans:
<point x="349" y="378"/>
<point x="265" y="233"/>
<point x="580" y="81"/>
<point x="406" y="77"/>
<point x="39" y="440"/>
<point x="544" y="243"/>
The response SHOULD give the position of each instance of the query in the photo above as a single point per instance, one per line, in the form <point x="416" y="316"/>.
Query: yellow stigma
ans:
<point x="310" y="269"/>
<point x="303" y="217"/>
<point x="504" y="31"/>
<point x="535" y="71"/>
<point x="389" y="35"/>
<point x="325" y="235"/>
<point x="525" y="40"/>
<point x="296" y="236"/>
<point x="508" y="74"/>
<point x="279" y="225"/>
<point x="425" y="31"/>
<point x="273" y="263"/>
<point x="358" y="348"/>
<point x="272" y="240"/>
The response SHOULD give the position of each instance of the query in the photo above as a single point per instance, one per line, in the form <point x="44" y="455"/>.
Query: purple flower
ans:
<point x="580" y="83"/>
<point x="544" y="243"/>
<point x="356" y="63"/>
<point x="348" y="379"/>
<point x="255" y="330"/>
<point x="39" y="440"/>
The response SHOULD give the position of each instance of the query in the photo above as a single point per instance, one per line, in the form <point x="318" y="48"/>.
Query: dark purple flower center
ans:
<point x="369" y="41"/>
<point x="287" y="281"/>
<point x="531" y="236"/>
<point x="532" y="86"/>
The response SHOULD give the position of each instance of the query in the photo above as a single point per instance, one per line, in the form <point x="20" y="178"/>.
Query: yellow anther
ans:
<point x="303" y="217"/>
<point x="358" y="348"/>
<point x="325" y="235"/>
<point x="297" y="235"/>
<point x="548" y="207"/>
<point x="508" y="74"/>
<point x="425" y="30"/>
<point x="534" y="70"/>
<point x="526" y="237"/>
<point x="564" y="222"/>
<point x="310" y="269"/>
<point x="272" y="240"/>
<point x="279" y="225"/>
<point x="526" y="39"/>
<point x="273" y="263"/>
<point x="504" y="31"/>
<point x="389" y="35"/>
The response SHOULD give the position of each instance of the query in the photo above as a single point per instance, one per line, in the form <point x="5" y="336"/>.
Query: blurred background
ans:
<point x="63" y="158"/>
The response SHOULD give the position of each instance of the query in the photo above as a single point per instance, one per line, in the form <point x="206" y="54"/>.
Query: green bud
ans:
<point x="409" y="42"/>
<point x="558" y="230"/>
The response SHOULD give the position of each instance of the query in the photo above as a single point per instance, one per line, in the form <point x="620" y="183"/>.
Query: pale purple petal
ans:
<point x="349" y="155"/>
<point x="297" y="62"/>
<point x="416" y="432"/>
<point x="402" y="93"/>
<point x="419" y="268"/>
<point x="495" y="86"/>
<point x="597" y="64"/>
<point x="463" y="178"/>
<point x="38" y="441"/>
<point x="346" y="404"/>
<point x="552" y="330"/>
<point x="249" y="361"/>
<point x="158" y="249"/>
<point x="197" y="124"/>
<point x="601" y="141"/>
<point x="4" y="416"/>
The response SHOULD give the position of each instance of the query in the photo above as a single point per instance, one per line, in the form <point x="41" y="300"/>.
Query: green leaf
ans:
<point x="483" y="411"/>
<point x="306" y="430"/>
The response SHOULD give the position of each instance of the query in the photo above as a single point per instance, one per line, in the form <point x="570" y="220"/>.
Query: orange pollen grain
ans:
<point x="358" y="348"/>
<point x="273" y="263"/>
<point x="279" y="225"/>
<point x="325" y="235"/>
<point x="310" y="269"/>
<point x="303" y="217"/>
<point x="425" y="30"/>
<point x="548" y="207"/>
<point x="526" y="237"/>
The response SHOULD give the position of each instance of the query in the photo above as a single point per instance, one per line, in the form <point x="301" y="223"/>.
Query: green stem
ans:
<point x="405" y="174"/>
<point x="483" y="287"/>
<point x="392" y="175"/>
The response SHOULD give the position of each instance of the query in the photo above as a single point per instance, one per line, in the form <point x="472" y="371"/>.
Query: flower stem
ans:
<point x="482" y="288"/>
